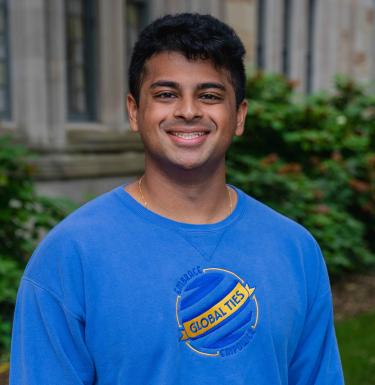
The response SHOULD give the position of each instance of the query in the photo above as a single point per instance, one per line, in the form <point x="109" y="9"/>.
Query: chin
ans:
<point x="183" y="163"/>
<point x="201" y="166"/>
<point x="190" y="164"/>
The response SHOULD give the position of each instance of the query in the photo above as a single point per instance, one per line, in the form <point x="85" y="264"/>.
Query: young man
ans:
<point x="178" y="278"/>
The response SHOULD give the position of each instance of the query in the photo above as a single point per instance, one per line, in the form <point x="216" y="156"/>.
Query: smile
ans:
<point x="188" y="135"/>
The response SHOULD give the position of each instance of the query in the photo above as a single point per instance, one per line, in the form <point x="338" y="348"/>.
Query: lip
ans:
<point x="188" y="137"/>
<point x="187" y="129"/>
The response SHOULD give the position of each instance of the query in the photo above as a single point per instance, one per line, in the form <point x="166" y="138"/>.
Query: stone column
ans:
<point x="371" y="18"/>
<point x="273" y="48"/>
<point x="28" y="31"/>
<point x="363" y="40"/>
<point x="345" y="36"/>
<point x="112" y="64"/>
<point x="326" y="39"/>
<point x="241" y="15"/>
<point x="161" y="7"/>
<point x="212" y="7"/>
<point x="299" y="44"/>
<point x="57" y="83"/>
<point x="372" y="53"/>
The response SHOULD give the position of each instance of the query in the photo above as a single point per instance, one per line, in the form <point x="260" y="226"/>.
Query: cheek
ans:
<point x="223" y="114"/>
<point x="225" y="123"/>
<point x="152" y="115"/>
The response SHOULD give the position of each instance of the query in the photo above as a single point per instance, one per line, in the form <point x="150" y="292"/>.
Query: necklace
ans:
<point x="145" y="203"/>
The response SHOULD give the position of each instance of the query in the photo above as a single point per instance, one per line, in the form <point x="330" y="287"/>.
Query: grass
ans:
<point x="356" y="338"/>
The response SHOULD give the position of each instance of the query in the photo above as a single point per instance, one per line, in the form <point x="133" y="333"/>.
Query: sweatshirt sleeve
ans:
<point x="48" y="341"/>
<point x="316" y="360"/>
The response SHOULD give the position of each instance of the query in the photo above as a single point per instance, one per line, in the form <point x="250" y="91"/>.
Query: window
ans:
<point x="136" y="19"/>
<point x="287" y="24"/>
<point x="4" y="62"/>
<point x="81" y="28"/>
<point x="311" y="8"/>
<point x="261" y="34"/>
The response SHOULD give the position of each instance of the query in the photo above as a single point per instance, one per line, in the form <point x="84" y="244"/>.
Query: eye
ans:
<point x="165" y="95"/>
<point x="209" y="97"/>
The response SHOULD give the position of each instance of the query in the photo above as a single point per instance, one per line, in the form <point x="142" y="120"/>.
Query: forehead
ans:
<point x="176" y="67"/>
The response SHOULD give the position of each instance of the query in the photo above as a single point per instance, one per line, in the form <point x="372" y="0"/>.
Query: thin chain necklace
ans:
<point x="145" y="203"/>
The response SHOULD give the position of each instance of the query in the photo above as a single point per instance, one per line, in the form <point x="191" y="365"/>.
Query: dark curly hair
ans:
<point x="196" y="37"/>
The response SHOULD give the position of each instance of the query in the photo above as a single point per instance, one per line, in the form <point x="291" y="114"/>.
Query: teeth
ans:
<point x="188" y="135"/>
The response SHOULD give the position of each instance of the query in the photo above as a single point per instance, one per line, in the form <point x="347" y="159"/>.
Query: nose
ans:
<point x="187" y="108"/>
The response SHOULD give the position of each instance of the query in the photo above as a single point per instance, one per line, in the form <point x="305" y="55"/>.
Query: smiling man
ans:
<point x="178" y="278"/>
<point x="186" y="113"/>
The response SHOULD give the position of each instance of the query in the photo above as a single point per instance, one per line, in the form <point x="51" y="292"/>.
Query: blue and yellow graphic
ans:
<point x="217" y="313"/>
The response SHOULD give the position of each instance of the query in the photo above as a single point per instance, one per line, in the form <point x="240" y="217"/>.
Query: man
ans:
<point x="178" y="278"/>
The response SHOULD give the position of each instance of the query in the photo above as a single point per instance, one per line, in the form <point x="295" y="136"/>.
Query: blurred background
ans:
<point x="308" y="151"/>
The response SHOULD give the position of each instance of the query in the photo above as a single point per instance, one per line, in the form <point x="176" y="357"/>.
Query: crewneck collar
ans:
<point x="163" y="221"/>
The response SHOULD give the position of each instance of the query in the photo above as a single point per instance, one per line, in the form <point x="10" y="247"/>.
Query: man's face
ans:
<point x="187" y="112"/>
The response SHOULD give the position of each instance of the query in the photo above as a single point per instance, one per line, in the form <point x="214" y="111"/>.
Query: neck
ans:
<point x="188" y="196"/>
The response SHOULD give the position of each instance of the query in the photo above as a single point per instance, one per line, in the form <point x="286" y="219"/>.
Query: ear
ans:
<point x="241" y="118"/>
<point x="132" y="112"/>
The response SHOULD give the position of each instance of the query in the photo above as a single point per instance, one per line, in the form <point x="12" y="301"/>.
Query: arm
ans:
<point x="316" y="360"/>
<point x="48" y="341"/>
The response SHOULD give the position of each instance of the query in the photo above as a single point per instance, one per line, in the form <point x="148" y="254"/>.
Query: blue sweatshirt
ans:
<point x="116" y="294"/>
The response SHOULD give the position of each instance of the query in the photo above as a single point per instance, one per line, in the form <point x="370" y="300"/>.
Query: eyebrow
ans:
<point x="204" y="86"/>
<point x="175" y="85"/>
<point x="165" y="83"/>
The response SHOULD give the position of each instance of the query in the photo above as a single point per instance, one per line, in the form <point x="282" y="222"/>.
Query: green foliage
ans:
<point x="314" y="161"/>
<point x="356" y="341"/>
<point x="24" y="218"/>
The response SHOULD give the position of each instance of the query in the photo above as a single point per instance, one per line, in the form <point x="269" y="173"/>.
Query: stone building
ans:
<point x="63" y="71"/>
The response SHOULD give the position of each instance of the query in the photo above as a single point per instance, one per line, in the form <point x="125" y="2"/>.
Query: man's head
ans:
<point x="195" y="37"/>
<point x="186" y="95"/>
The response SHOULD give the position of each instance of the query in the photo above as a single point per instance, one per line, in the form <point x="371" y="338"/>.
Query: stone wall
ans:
<point x="343" y="38"/>
<point x="101" y="153"/>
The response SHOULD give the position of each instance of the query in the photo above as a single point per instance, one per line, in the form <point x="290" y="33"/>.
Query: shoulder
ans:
<point x="90" y="219"/>
<point x="102" y="209"/>
<point x="61" y="250"/>
<point x="293" y="247"/>
<point x="272" y="222"/>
